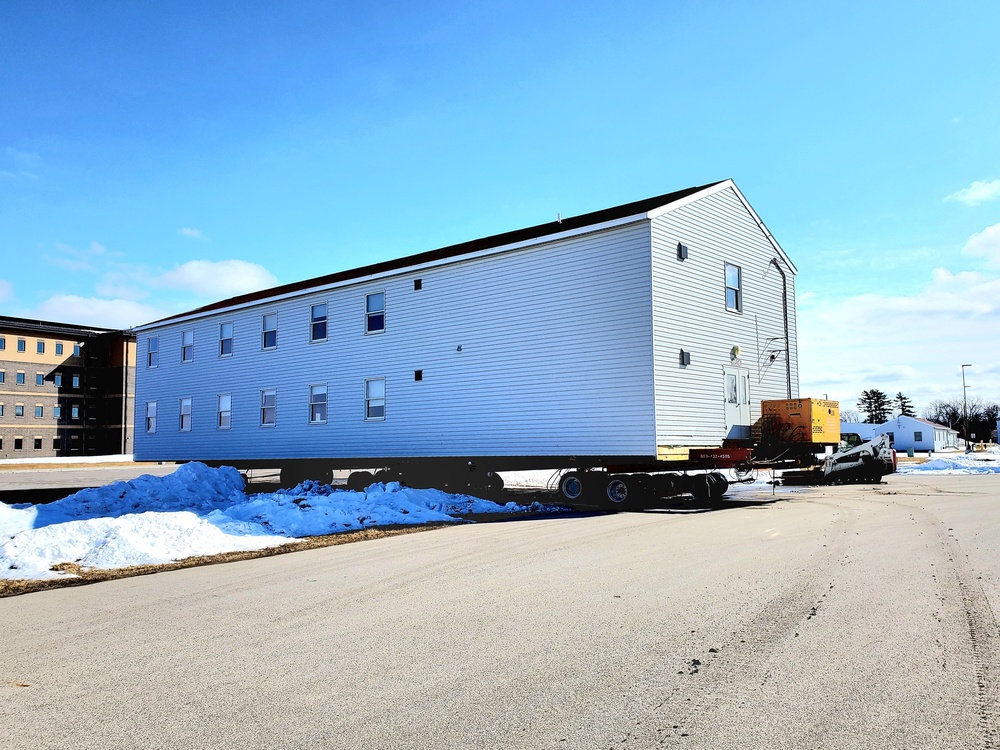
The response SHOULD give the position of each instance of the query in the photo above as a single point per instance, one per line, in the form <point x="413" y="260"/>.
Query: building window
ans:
<point x="375" y="398"/>
<point x="57" y="380"/>
<point x="734" y="288"/>
<point x="317" y="317"/>
<point x="152" y="351"/>
<point x="185" y="423"/>
<point x="225" y="411"/>
<point x="40" y="348"/>
<point x="74" y="412"/>
<point x="918" y="436"/>
<point x="37" y="443"/>
<point x="375" y="312"/>
<point x="76" y="381"/>
<point x="3" y="343"/>
<point x="18" y="444"/>
<point x="1" y="410"/>
<point x="59" y="351"/>
<point x="76" y="350"/>
<point x="268" y="407"/>
<point x="56" y="443"/>
<point x="39" y="378"/>
<point x="18" y="410"/>
<point x="317" y="404"/>
<point x="150" y="417"/>
<point x="20" y="378"/>
<point x="57" y="411"/>
<point x="269" y="330"/>
<point x="226" y="339"/>
<point x="187" y="346"/>
<point x="21" y="346"/>
<point x="3" y="376"/>
<point x="39" y="411"/>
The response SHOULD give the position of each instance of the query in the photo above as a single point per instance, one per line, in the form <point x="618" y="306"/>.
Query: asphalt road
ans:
<point x="847" y="617"/>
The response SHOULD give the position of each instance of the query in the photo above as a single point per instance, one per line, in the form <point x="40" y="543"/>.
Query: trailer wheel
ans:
<point x="359" y="480"/>
<point x="700" y="486"/>
<point x="718" y="485"/>
<point x="617" y="491"/>
<point x="571" y="487"/>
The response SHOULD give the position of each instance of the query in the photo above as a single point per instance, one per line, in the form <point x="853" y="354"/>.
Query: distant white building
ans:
<point x="908" y="432"/>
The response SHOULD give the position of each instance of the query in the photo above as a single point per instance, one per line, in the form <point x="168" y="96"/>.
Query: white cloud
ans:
<point x="74" y="259"/>
<point x="986" y="245"/>
<point x="216" y="279"/>
<point x="93" y="311"/>
<point x="191" y="233"/>
<point x="910" y="343"/>
<point x="978" y="192"/>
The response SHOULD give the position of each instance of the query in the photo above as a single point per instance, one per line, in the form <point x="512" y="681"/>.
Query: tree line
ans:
<point x="877" y="407"/>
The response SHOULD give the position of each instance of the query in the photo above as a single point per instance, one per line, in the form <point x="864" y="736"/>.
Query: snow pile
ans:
<point x="202" y="511"/>
<point x="984" y="462"/>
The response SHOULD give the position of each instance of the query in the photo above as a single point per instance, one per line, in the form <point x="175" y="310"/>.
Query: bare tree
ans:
<point x="849" y="415"/>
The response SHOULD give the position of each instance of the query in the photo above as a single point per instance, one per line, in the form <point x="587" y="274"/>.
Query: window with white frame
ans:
<point x="268" y="407"/>
<point x="74" y="412"/>
<point x="3" y="343"/>
<point x="375" y="312"/>
<point x="40" y="347"/>
<point x="3" y="376"/>
<point x="39" y="378"/>
<point x="226" y="339"/>
<point x="39" y="411"/>
<point x="187" y="346"/>
<point x="76" y="353"/>
<point x="20" y="378"/>
<point x="375" y="398"/>
<point x="21" y="346"/>
<point x="76" y="381"/>
<point x="150" y="417"/>
<point x="153" y="351"/>
<point x="57" y="380"/>
<point x="59" y="348"/>
<point x="269" y="330"/>
<point x="57" y="411"/>
<point x="734" y="288"/>
<point x="185" y="415"/>
<point x="317" y="403"/>
<point x="225" y="419"/>
<point x="317" y="322"/>
<point x="18" y="410"/>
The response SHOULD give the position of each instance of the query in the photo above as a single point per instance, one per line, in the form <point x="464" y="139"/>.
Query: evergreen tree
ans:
<point x="903" y="405"/>
<point x="876" y="406"/>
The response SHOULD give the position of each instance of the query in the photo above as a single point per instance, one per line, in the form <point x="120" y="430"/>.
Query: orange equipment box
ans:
<point x="812" y="420"/>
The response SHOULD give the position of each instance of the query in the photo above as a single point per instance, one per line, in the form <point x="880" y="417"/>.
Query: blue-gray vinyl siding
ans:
<point x="555" y="359"/>
<point x="689" y="313"/>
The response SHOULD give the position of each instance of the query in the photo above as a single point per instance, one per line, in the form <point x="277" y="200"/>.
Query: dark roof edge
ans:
<point x="453" y="251"/>
<point x="53" y="327"/>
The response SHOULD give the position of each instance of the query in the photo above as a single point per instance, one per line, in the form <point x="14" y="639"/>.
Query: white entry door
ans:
<point x="737" y="398"/>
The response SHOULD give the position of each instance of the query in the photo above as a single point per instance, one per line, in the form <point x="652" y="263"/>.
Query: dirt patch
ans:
<point x="82" y="576"/>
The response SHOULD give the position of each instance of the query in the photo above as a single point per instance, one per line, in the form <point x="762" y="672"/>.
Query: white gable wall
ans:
<point x="555" y="360"/>
<point x="689" y="313"/>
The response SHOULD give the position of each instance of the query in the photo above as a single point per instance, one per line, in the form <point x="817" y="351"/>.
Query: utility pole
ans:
<point x="965" y="410"/>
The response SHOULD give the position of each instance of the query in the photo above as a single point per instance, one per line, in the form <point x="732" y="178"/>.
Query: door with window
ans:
<point x="736" y="382"/>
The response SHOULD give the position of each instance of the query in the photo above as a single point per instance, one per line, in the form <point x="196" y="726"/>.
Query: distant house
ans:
<point x="907" y="433"/>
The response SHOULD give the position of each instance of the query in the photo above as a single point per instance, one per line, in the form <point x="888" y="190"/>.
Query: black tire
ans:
<point x="572" y="487"/>
<point x="700" y="486"/>
<point x="718" y="485"/>
<point x="665" y="485"/>
<point x="359" y="480"/>
<point x="626" y="492"/>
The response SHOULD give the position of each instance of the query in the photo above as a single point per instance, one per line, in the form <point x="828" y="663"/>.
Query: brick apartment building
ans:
<point x="65" y="390"/>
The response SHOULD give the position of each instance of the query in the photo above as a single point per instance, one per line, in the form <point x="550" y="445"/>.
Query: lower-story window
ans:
<point x="37" y="443"/>
<point x="185" y="421"/>
<point x="150" y="417"/>
<point x="18" y="444"/>
<point x="317" y="403"/>
<point x="375" y="398"/>
<point x="268" y="407"/>
<point x="225" y="411"/>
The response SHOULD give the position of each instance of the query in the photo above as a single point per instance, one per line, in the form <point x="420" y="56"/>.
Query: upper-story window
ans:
<point x="39" y="378"/>
<point x="375" y="398"/>
<point x="57" y="411"/>
<point x="226" y="339"/>
<point x="74" y="412"/>
<point x="76" y="381"/>
<point x="57" y="379"/>
<point x="20" y="378"/>
<point x="317" y="322"/>
<point x="317" y="404"/>
<point x="269" y="330"/>
<point x="76" y="350"/>
<point x="39" y="411"/>
<point x="40" y="347"/>
<point x="150" y="417"/>
<point x="21" y="346"/>
<point x="185" y="414"/>
<point x="152" y="351"/>
<point x="59" y="348"/>
<point x="3" y="343"/>
<point x="187" y="346"/>
<point x="3" y="376"/>
<point x="734" y="288"/>
<point x="225" y="418"/>
<point x="375" y="312"/>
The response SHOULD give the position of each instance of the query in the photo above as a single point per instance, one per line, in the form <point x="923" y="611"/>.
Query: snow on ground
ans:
<point x="977" y="462"/>
<point x="202" y="511"/>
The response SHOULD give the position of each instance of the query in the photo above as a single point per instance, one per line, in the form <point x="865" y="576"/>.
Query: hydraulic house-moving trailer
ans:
<point x="617" y="339"/>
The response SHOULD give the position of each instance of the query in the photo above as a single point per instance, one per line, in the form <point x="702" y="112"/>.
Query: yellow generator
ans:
<point x="803" y="420"/>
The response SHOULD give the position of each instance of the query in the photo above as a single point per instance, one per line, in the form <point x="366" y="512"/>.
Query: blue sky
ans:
<point x="154" y="157"/>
